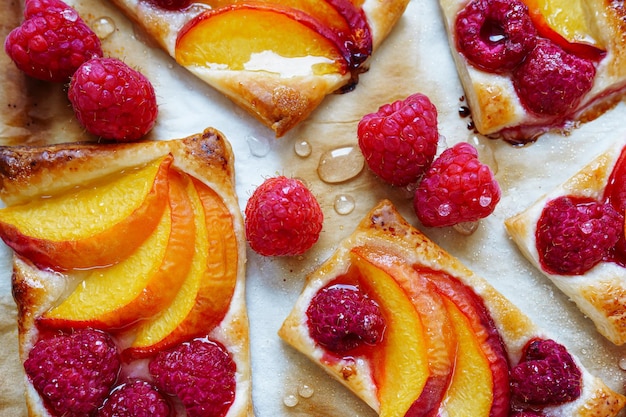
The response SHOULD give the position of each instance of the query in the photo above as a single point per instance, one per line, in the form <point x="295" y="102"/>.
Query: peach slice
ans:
<point x="471" y="389"/>
<point x="400" y="366"/>
<point x="141" y="285"/>
<point x="82" y="228"/>
<point x="485" y="332"/>
<point x="566" y="23"/>
<point x="440" y="338"/>
<point x="204" y="298"/>
<point x="237" y="37"/>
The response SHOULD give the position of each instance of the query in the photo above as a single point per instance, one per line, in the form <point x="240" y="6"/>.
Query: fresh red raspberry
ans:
<point x="399" y="141"/>
<point x="74" y="372"/>
<point x="457" y="188"/>
<point x="200" y="373"/>
<point x="546" y="375"/>
<point x="574" y="234"/>
<point x="551" y="81"/>
<point x="342" y="318"/>
<point x="112" y="100"/>
<point x="52" y="42"/>
<point x="495" y="35"/>
<point x="283" y="218"/>
<point x="135" y="398"/>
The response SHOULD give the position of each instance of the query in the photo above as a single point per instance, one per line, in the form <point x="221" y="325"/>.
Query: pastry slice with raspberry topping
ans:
<point x="413" y="332"/>
<point x="533" y="66"/>
<point x="574" y="234"/>
<point x="127" y="258"/>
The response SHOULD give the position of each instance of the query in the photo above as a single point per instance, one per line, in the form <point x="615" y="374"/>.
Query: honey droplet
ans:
<point x="302" y="148"/>
<point x="259" y="147"/>
<point x="340" y="164"/>
<point x="466" y="228"/>
<point x="622" y="363"/>
<point x="306" y="391"/>
<point x="344" y="204"/>
<point x="103" y="27"/>
<point x="290" y="400"/>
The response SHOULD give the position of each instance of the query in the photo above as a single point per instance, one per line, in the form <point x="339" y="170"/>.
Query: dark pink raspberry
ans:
<point x="74" y="372"/>
<point x="550" y="81"/>
<point x="200" y="373"/>
<point x="399" y="141"/>
<point x="495" y="35"/>
<point x="112" y="100"/>
<point x="135" y="398"/>
<point x="574" y="234"/>
<point x="52" y="42"/>
<point x="283" y="218"/>
<point x="457" y="188"/>
<point x="546" y="375"/>
<point x="342" y="317"/>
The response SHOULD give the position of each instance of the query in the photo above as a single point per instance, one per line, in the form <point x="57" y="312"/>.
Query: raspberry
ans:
<point x="546" y="375"/>
<point x="201" y="373"/>
<point x="495" y="35"/>
<point x="52" y="42"/>
<point x="136" y="398"/>
<point x="74" y="372"/>
<point x="283" y="218"/>
<point x="551" y="81"/>
<point x="399" y="141"/>
<point x="342" y="318"/>
<point x="457" y="188"/>
<point x="574" y="234"/>
<point x="112" y="100"/>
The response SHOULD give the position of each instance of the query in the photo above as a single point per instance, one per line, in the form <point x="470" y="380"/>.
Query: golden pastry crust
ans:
<point x="279" y="101"/>
<point x="384" y="228"/>
<point x="26" y="172"/>
<point x="600" y="293"/>
<point x="496" y="109"/>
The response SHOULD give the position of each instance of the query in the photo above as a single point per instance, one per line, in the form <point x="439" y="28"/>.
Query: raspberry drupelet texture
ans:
<point x="283" y="218"/>
<point x="399" y="141"/>
<point x="52" y="41"/>
<point x="342" y="318"/>
<point x="201" y="373"/>
<point x="457" y="188"/>
<point x="74" y="372"/>
<point x="550" y="81"/>
<point x="112" y="100"/>
<point x="574" y="234"/>
<point x="546" y="375"/>
<point x="495" y="35"/>
<point x="136" y="398"/>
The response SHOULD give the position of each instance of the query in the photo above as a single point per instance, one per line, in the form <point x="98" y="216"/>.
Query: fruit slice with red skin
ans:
<point x="440" y="338"/>
<point x="486" y="333"/>
<point x="205" y="296"/>
<point x="141" y="285"/>
<point x="400" y="363"/>
<point x="229" y="36"/>
<point x="564" y="22"/>
<point x="82" y="228"/>
<point x="471" y="389"/>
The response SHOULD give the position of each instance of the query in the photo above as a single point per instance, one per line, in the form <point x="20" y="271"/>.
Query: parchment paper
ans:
<point x="415" y="58"/>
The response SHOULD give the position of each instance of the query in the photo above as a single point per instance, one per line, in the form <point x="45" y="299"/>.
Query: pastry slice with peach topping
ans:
<point x="413" y="332"/>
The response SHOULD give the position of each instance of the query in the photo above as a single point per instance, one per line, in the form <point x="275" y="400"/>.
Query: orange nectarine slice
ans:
<point x="471" y="389"/>
<point x="440" y="337"/>
<point x="261" y="36"/>
<point x="400" y="366"/>
<point x="96" y="225"/>
<point x="205" y="296"/>
<point x="141" y="285"/>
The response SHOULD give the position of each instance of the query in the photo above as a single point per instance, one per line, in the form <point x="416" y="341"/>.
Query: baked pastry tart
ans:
<point x="575" y="236"/>
<point x="276" y="59"/>
<point x="412" y="332"/>
<point x="532" y="66"/>
<point x="128" y="275"/>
